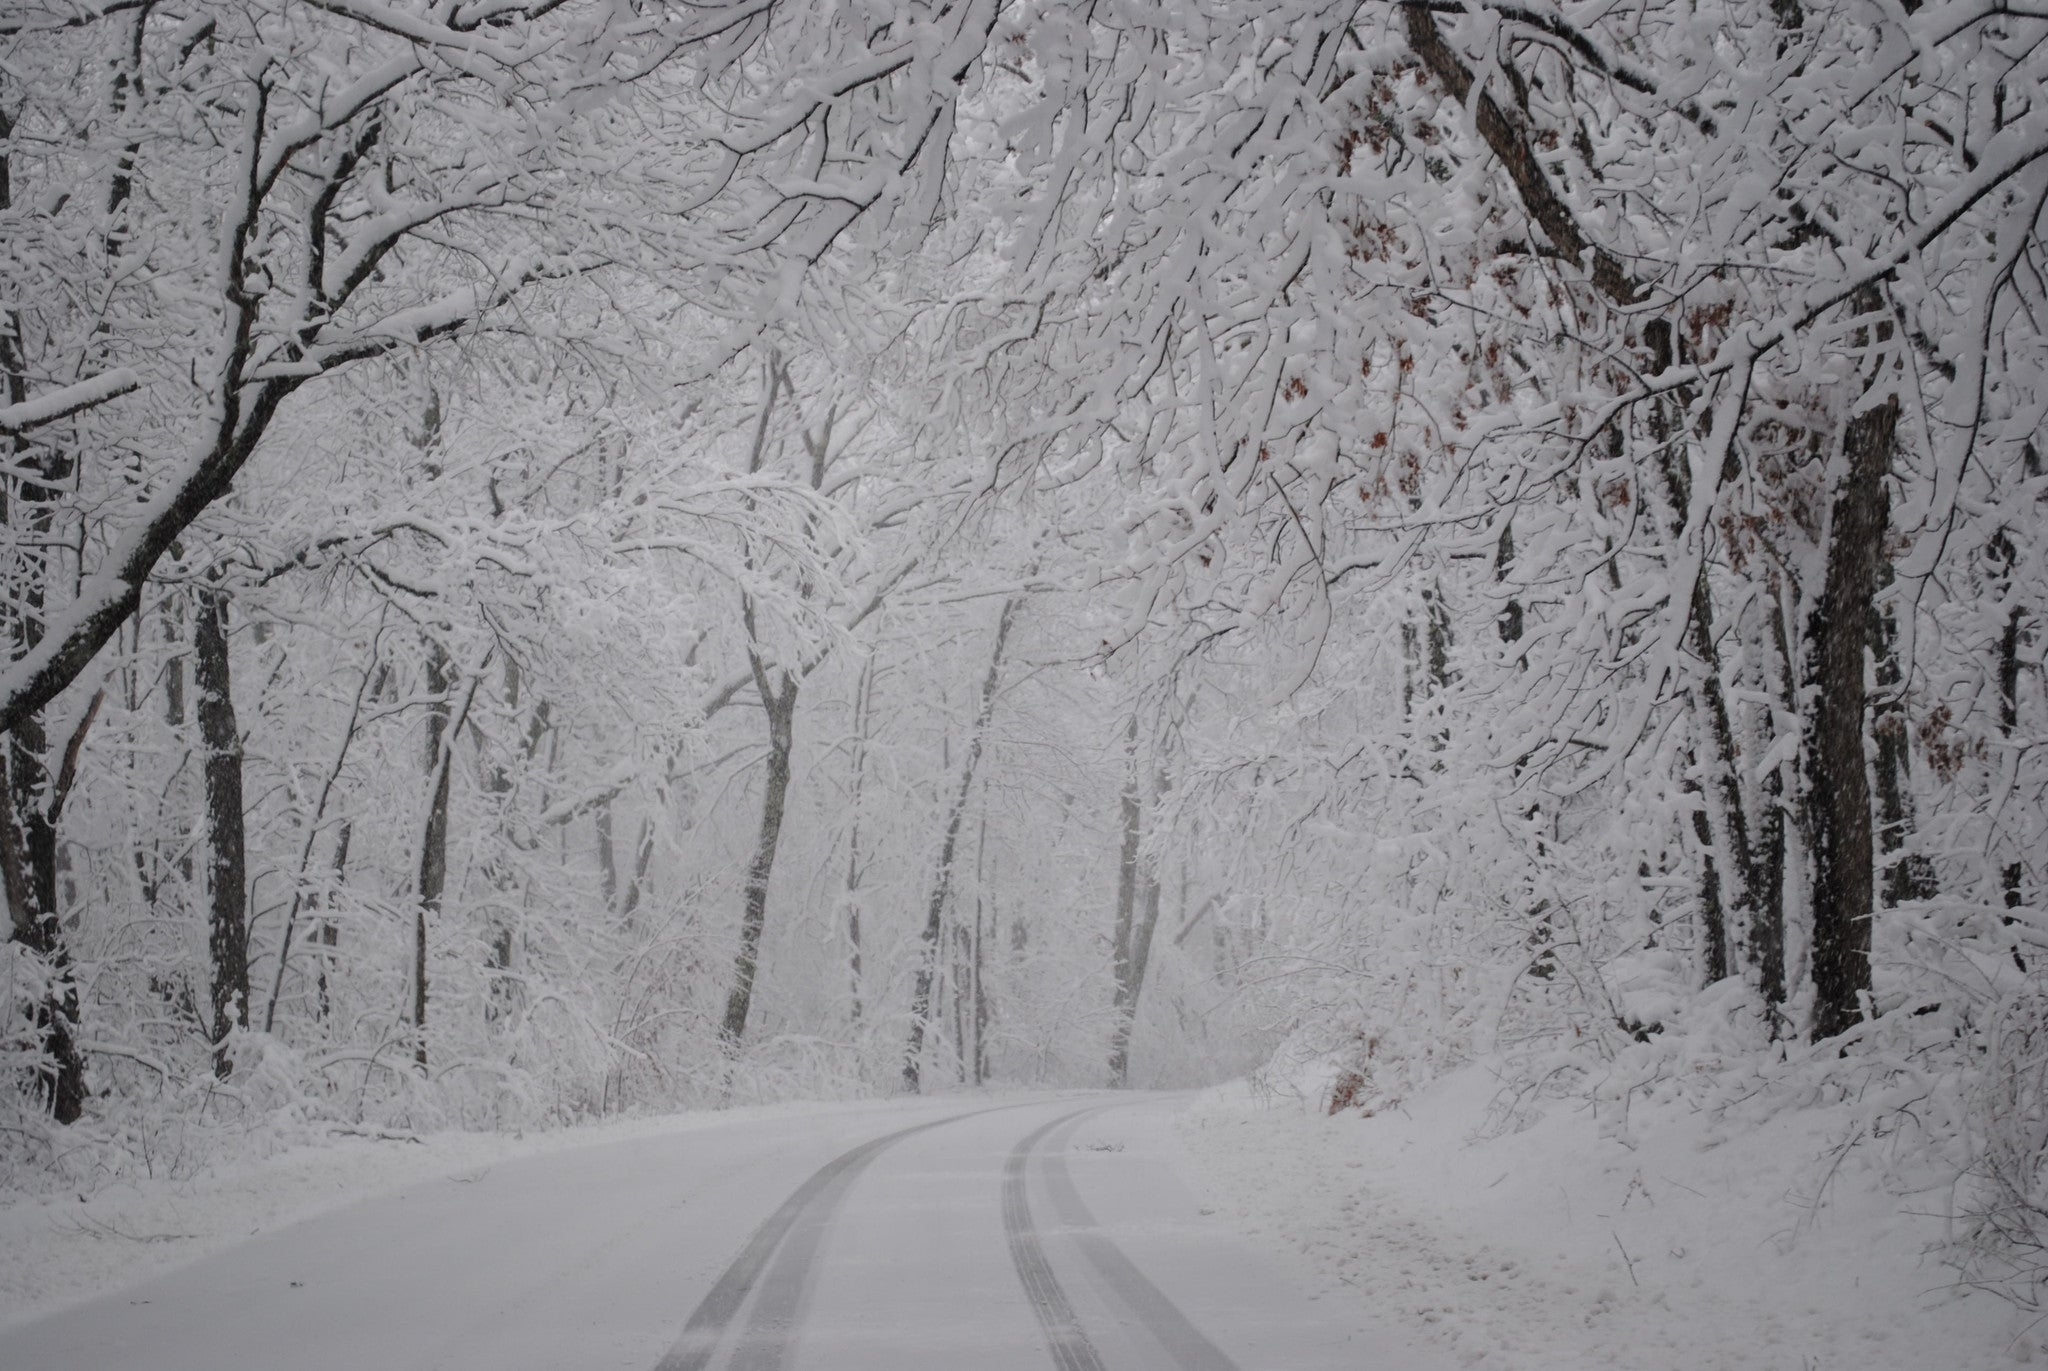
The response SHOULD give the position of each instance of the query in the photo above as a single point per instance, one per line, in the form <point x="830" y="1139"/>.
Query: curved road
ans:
<point x="1028" y="1235"/>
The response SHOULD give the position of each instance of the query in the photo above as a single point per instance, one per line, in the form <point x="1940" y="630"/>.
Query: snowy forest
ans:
<point x="573" y="557"/>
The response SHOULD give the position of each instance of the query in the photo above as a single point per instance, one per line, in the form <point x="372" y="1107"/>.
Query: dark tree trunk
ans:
<point x="1130" y="823"/>
<point x="2012" y="877"/>
<point x="1728" y="873"/>
<point x="962" y="978"/>
<point x="1131" y="980"/>
<point x="1767" y="930"/>
<point x="227" y="873"/>
<point x="1911" y="876"/>
<point x="371" y="684"/>
<point x="1722" y="789"/>
<point x="1838" y="786"/>
<point x="28" y="865"/>
<point x="28" y="830"/>
<point x="942" y="880"/>
<point x="984" y="918"/>
<point x="779" y="703"/>
<point x="1510" y="620"/>
<point x="607" y="858"/>
<point x="855" y="871"/>
<point x="174" y="664"/>
<point x="643" y="857"/>
<point x="433" y="876"/>
<point x="327" y="936"/>
<point x="2008" y="720"/>
<point x="1713" y="916"/>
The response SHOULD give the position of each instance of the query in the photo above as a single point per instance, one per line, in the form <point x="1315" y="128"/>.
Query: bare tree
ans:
<point x="932" y="938"/>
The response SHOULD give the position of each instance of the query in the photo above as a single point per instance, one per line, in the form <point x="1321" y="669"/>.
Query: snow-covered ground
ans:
<point x="1549" y="1249"/>
<point x="992" y="1233"/>
<point x="57" y="1251"/>
<point x="1689" y="1248"/>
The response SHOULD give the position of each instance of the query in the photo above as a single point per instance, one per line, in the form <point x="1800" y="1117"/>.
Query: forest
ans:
<point x="573" y="557"/>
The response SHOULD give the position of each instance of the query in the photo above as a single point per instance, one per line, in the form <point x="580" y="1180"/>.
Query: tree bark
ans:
<point x="984" y="919"/>
<point x="1910" y="876"/>
<point x="607" y="858"/>
<point x="1838" y="801"/>
<point x="442" y="730"/>
<point x="1510" y="620"/>
<point x="2011" y="878"/>
<point x="28" y="830"/>
<point x="1767" y="929"/>
<point x="1722" y="792"/>
<point x="643" y="857"/>
<point x="227" y="872"/>
<point x="862" y="708"/>
<point x="1713" y="914"/>
<point x="30" y="880"/>
<point x="371" y="683"/>
<point x="1130" y="984"/>
<point x="778" y="702"/>
<point x="327" y="936"/>
<point x="942" y="881"/>
<point x="2005" y="556"/>
<point x="1130" y="823"/>
<point x="1728" y="875"/>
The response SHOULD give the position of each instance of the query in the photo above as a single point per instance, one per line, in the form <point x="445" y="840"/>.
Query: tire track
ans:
<point x="808" y="1210"/>
<point x="1064" y="1338"/>
<point x="1187" y="1345"/>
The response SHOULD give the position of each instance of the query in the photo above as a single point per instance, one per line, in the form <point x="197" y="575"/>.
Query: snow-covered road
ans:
<point x="988" y="1234"/>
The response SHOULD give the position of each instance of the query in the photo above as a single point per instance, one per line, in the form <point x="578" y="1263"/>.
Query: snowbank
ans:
<point x="1684" y="1248"/>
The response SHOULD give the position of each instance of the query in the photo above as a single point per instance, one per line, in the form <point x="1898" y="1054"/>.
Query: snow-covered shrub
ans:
<point x="2002" y="1238"/>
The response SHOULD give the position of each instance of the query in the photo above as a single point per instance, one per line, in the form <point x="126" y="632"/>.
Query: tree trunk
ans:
<point x="442" y="730"/>
<point x="327" y="936"/>
<point x="28" y="831"/>
<point x="1727" y="862"/>
<point x="1732" y="897"/>
<point x="2011" y="877"/>
<point x="643" y="857"/>
<point x="1131" y="980"/>
<point x="961" y="979"/>
<point x="1510" y="621"/>
<point x="779" y="703"/>
<point x="942" y="881"/>
<point x="227" y="873"/>
<point x="607" y="858"/>
<point x="25" y="837"/>
<point x="984" y="919"/>
<point x="1713" y="915"/>
<point x="862" y="709"/>
<point x="371" y="684"/>
<point x="1838" y="786"/>
<point x="1911" y="876"/>
<point x="1767" y="930"/>
<point x="1130" y="823"/>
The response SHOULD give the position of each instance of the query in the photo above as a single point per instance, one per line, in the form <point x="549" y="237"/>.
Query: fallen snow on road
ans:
<point x="60" y="1250"/>
<point x="1689" y="1247"/>
<point x="1555" y="1249"/>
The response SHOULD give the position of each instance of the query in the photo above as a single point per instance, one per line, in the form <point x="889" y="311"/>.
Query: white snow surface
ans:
<point x="890" y="1236"/>
<point x="1401" y="1241"/>
<point x="62" y="1250"/>
<point x="1688" y="1248"/>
